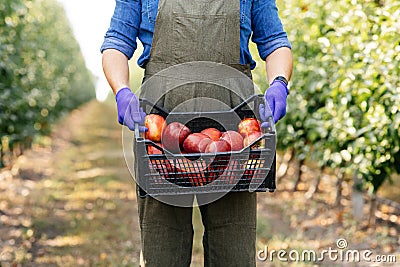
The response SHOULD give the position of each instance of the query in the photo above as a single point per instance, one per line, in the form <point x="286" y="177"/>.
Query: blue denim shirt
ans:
<point x="136" y="19"/>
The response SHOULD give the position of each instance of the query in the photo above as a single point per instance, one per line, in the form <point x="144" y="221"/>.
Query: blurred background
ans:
<point x="67" y="198"/>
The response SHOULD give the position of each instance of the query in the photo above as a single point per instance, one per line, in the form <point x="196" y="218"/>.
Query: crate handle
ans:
<point x="144" y="101"/>
<point x="271" y="124"/>
<point x="246" y="101"/>
<point x="137" y="132"/>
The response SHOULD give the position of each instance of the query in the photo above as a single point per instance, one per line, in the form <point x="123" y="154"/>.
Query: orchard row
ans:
<point x="344" y="103"/>
<point x="42" y="71"/>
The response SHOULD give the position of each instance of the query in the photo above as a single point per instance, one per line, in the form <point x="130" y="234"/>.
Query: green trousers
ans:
<point x="228" y="240"/>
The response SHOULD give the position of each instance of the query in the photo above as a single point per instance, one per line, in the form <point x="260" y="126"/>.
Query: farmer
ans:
<point x="179" y="31"/>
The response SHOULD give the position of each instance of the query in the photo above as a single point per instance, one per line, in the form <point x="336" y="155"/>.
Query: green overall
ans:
<point x="189" y="31"/>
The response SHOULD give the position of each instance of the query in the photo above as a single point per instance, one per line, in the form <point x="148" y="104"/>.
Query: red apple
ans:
<point x="155" y="125"/>
<point x="173" y="136"/>
<point x="192" y="142"/>
<point x="157" y="165"/>
<point x="248" y="174"/>
<point x="151" y="150"/>
<point x="185" y="173"/>
<point x="195" y="172"/>
<point x="248" y="125"/>
<point x="218" y="166"/>
<point x="204" y="143"/>
<point x="213" y="133"/>
<point x="218" y="146"/>
<point x="234" y="139"/>
<point x="250" y="138"/>
<point x="234" y="171"/>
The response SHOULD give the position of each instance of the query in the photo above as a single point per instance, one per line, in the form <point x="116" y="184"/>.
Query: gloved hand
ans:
<point x="129" y="110"/>
<point x="275" y="97"/>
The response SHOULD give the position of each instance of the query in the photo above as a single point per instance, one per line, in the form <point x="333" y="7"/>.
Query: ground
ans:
<point x="70" y="201"/>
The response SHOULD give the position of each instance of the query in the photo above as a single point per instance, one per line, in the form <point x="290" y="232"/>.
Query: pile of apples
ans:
<point x="177" y="138"/>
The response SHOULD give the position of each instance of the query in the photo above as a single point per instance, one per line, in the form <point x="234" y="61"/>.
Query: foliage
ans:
<point x="42" y="72"/>
<point x="344" y="103"/>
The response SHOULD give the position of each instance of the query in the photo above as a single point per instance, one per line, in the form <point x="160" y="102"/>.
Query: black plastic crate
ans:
<point x="251" y="169"/>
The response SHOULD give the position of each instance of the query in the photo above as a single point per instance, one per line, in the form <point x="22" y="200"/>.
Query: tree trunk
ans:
<point x="17" y="151"/>
<point x="314" y="187"/>
<point x="357" y="198"/>
<point x="339" y="181"/>
<point x="299" y="173"/>
<point x="1" y="156"/>
<point x="372" y="210"/>
<point x="284" y="166"/>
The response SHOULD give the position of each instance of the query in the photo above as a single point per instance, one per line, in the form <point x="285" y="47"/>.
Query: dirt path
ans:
<point x="72" y="203"/>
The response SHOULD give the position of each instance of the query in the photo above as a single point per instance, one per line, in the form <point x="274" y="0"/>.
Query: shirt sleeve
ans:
<point x="124" y="27"/>
<point x="268" y="32"/>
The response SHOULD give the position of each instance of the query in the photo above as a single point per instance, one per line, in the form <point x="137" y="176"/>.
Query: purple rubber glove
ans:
<point x="275" y="97"/>
<point x="129" y="110"/>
